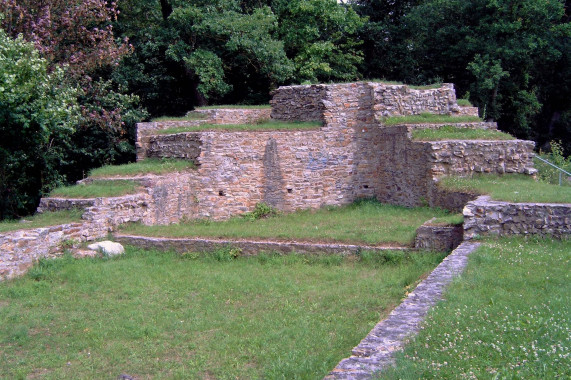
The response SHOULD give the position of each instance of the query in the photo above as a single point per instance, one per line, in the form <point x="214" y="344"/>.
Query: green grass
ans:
<point x="159" y="315"/>
<point x="235" y="106"/>
<point x="449" y="132"/>
<point x="427" y="118"/>
<point x="448" y="220"/>
<point x="266" y="125"/>
<point x="507" y="317"/>
<point x="191" y="116"/>
<point x="95" y="189"/>
<point x="42" y="220"/>
<point x="365" y="222"/>
<point x="147" y="166"/>
<point x="510" y="187"/>
<point x="464" y="103"/>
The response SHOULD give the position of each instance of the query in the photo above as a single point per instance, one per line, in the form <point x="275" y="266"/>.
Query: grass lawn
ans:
<point x="100" y="188"/>
<point x="147" y="166"/>
<point x="449" y="132"/>
<point x="42" y="220"/>
<point x="510" y="187"/>
<point x="191" y="116"/>
<point x="464" y="103"/>
<point x="427" y="118"/>
<point x="368" y="222"/>
<point x="272" y="125"/>
<point x="235" y="106"/>
<point x="160" y="315"/>
<point x="507" y="317"/>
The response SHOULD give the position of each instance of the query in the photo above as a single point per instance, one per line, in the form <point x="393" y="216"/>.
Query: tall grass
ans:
<point x="507" y="317"/>
<point x="270" y="125"/>
<point x="42" y="220"/>
<point x="509" y="187"/>
<point x="153" y="315"/>
<point x="147" y="166"/>
<point x="99" y="188"/>
<point x="368" y="222"/>
<point x="449" y="132"/>
<point x="427" y="118"/>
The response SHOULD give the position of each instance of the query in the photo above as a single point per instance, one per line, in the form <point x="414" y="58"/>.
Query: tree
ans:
<point x="511" y="56"/>
<point x="320" y="36"/>
<point x="79" y="34"/>
<point x="37" y="114"/>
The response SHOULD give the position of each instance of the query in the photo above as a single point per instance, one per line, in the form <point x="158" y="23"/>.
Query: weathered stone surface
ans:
<point x="438" y="238"/>
<point x="486" y="217"/>
<point x="56" y="204"/>
<point x="376" y="351"/>
<point x="107" y="248"/>
<point x="246" y="246"/>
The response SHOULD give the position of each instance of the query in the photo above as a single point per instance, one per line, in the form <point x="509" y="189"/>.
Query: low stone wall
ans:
<point x="298" y="103"/>
<point x="464" y="157"/>
<point x="235" y="115"/>
<point x="146" y="143"/>
<point x="438" y="238"/>
<point x="469" y="125"/>
<point x="181" y="145"/>
<point x="484" y="217"/>
<point x="245" y="247"/>
<point x="468" y="111"/>
<point x="20" y="249"/>
<point x="392" y="100"/>
<point x="58" y="204"/>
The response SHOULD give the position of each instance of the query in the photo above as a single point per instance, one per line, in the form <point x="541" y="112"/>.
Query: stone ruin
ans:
<point x="351" y="155"/>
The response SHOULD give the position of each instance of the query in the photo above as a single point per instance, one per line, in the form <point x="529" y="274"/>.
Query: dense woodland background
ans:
<point x="76" y="75"/>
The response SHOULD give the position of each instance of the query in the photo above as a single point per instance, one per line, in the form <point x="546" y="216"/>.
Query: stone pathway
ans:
<point x="376" y="351"/>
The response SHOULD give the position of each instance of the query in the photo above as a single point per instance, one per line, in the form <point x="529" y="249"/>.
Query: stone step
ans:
<point x="473" y="125"/>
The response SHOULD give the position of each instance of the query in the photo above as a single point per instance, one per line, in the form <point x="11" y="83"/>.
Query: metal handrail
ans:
<point x="555" y="166"/>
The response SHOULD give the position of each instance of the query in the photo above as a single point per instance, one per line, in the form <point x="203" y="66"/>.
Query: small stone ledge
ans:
<point x="484" y="216"/>
<point x="376" y="351"/>
<point x="58" y="204"/>
<point x="438" y="238"/>
<point x="247" y="247"/>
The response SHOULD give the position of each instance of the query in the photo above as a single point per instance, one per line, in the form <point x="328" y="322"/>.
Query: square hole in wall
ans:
<point x="221" y="193"/>
<point x="290" y="191"/>
<point x="365" y="186"/>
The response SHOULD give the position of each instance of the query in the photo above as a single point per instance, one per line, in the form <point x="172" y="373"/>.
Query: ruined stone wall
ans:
<point x="235" y="115"/>
<point x="146" y="143"/>
<point x="475" y="156"/>
<point x="298" y="103"/>
<point x="57" y="204"/>
<point x="181" y="145"/>
<point x="486" y="217"/>
<point x="393" y="100"/>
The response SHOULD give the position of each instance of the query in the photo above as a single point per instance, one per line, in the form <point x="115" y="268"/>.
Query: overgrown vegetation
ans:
<point x="98" y="188"/>
<point x="550" y="174"/>
<point x="42" y="220"/>
<point x="427" y="118"/>
<point x="146" y="166"/>
<point x="267" y="316"/>
<point x="464" y="103"/>
<point x="507" y="316"/>
<point x="449" y="132"/>
<point x="509" y="187"/>
<point x="365" y="222"/>
<point x="263" y="125"/>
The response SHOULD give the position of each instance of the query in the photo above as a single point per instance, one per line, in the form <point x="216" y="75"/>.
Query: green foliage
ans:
<point x="262" y="210"/>
<point x="262" y="125"/>
<point x="549" y="174"/>
<point x="428" y="118"/>
<point x="37" y="115"/>
<point x="320" y="36"/>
